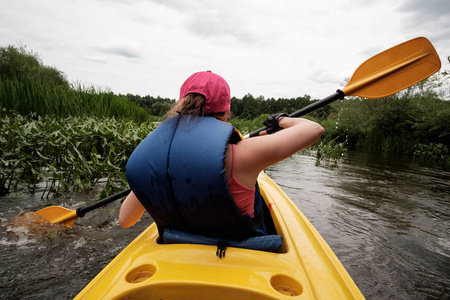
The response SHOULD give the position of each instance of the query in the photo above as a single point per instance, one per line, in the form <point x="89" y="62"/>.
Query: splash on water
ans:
<point x="31" y="226"/>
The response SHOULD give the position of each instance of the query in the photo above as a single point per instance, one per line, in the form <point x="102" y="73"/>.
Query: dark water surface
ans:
<point x="387" y="220"/>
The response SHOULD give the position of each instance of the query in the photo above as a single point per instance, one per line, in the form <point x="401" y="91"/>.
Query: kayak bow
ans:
<point x="306" y="268"/>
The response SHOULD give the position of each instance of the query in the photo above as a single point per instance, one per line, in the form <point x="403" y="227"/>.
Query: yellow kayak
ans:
<point x="306" y="267"/>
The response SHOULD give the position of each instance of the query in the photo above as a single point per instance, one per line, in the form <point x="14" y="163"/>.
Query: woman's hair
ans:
<point x="193" y="105"/>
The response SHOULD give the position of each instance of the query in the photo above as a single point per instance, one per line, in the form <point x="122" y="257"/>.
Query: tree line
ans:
<point x="247" y="107"/>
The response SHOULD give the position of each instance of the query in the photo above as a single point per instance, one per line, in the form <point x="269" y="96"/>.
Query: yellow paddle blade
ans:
<point x="58" y="214"/>
<point x="394" y="69"/>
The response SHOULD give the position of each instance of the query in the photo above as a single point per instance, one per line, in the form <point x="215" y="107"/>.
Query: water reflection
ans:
<point x="386" y="219"/>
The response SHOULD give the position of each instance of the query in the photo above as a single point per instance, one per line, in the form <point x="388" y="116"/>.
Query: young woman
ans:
<point x="205" y="178"/>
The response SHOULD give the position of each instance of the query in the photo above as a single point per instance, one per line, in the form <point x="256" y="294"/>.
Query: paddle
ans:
<point x="58" y="214"/>
<point x="384" y="74"/>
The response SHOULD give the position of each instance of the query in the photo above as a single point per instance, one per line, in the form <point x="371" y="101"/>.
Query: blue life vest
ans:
<point x="178" y="174"/>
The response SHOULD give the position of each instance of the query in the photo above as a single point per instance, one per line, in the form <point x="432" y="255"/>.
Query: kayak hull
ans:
<point x="306" y="268"/>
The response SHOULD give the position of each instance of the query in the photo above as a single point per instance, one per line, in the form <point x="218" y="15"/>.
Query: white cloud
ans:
<point x="272" y="48"/>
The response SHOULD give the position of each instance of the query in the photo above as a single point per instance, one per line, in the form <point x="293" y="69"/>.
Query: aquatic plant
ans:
<point x="433" y="152"/>
<point x="329" y="152"/>
<point x="70" y="153"/>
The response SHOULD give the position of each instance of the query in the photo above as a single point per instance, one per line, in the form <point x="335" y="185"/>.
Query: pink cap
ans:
<point x="215" y="89"/>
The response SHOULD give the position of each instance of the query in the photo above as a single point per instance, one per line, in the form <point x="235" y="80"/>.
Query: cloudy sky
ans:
<point x="272" y="48"/>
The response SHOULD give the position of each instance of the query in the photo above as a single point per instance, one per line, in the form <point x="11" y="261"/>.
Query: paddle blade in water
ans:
<point x="32" y="225"/>
<point x="394" y="69"/>
<point x="58" y="214"/>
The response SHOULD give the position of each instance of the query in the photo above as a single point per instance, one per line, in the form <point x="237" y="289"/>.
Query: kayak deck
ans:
<point x="306" y="268"/>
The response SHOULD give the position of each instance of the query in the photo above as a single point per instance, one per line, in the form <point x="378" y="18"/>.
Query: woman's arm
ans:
<point x="255" y="154"/>
<point x="130" y="211"/>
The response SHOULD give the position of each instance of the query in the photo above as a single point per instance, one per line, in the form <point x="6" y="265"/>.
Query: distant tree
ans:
<point x="236" y="107"/>
<point x="250" y="109"/>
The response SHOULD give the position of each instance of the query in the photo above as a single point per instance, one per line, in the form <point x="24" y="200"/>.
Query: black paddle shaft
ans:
<point x="307" y="109"/>
<point x="83" y="210"/>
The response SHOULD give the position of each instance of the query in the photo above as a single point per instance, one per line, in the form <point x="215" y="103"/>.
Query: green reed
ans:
<point x="26" y="96"/>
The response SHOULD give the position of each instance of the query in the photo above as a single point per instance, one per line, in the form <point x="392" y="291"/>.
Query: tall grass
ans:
<point x="26" y="96"/>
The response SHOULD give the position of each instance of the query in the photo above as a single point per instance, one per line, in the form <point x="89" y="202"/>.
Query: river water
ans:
<point x="387" y="220"/>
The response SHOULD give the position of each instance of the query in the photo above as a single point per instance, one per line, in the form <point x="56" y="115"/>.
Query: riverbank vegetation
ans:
<point x="69" y="153"/>
<point x="60" y="136"/>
